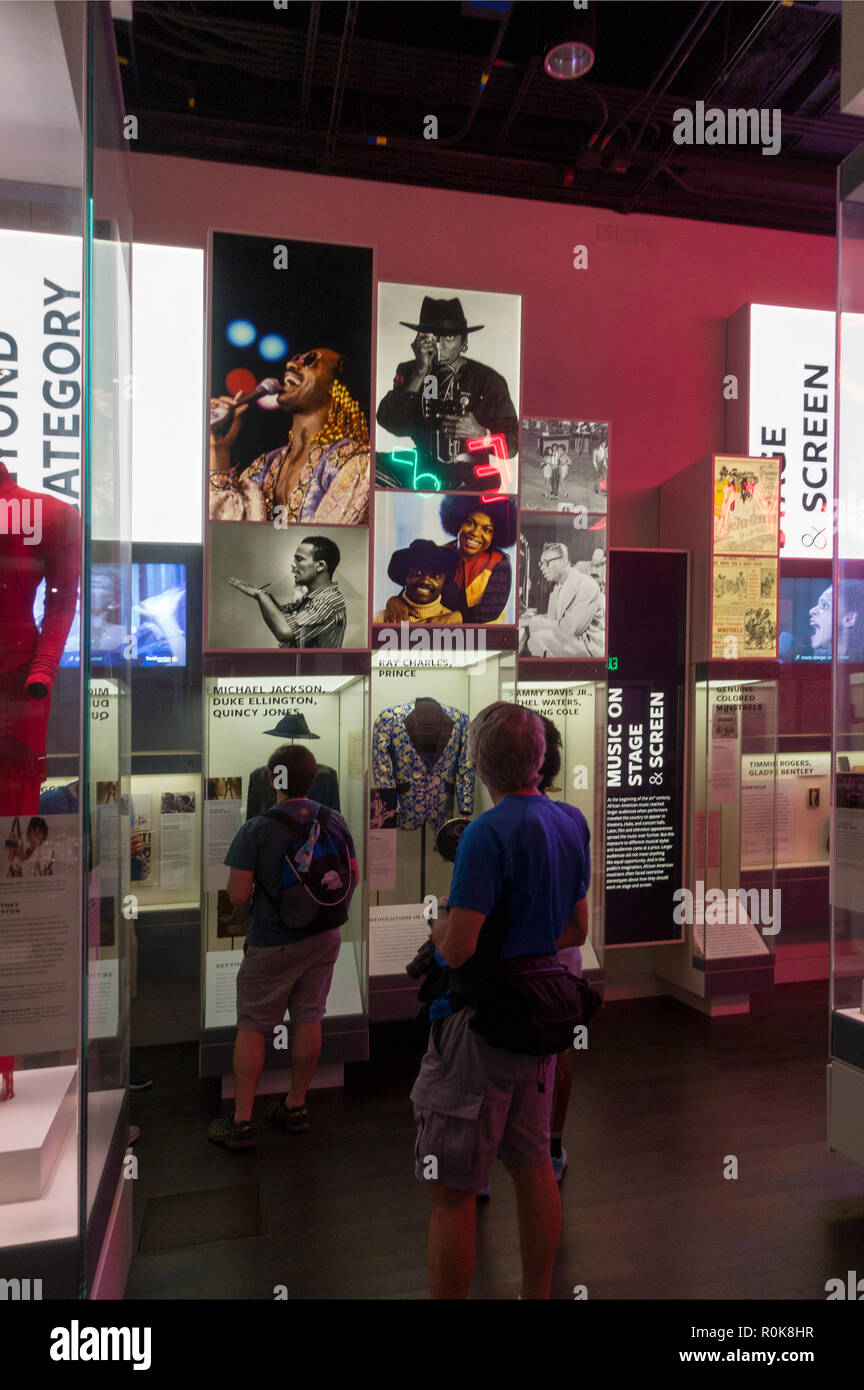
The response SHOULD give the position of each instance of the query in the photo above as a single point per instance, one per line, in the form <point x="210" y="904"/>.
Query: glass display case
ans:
<point x="247" y="717"/>
<point x="846" y="617"/>
<point x="66" y="909"/>
<point x="736" y="909"/>
<point x="422" y="703"/>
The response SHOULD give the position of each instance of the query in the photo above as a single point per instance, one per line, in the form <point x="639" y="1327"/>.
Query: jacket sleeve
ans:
<point x="382" y="762"/>
<point x="464" y="774"/>
<point x="399" y="411"/>
<point x="497" y="413"/>
<point x="495" y="595"/>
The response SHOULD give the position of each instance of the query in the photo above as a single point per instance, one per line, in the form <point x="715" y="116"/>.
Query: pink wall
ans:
<point x="637" y="339"/>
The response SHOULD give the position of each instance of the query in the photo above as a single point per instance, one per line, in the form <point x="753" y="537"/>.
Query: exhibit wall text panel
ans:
<point x="644" y="731"/>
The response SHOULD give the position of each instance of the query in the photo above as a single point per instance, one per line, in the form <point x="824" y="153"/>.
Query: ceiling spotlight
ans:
<point x="570" y="51"/>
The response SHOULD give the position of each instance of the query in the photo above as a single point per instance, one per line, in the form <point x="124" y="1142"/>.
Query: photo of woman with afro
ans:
<point x="480" y="588"/>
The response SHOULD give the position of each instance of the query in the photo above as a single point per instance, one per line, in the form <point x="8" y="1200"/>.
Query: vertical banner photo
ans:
<point x="223" y="817"/>
<point x="290" y="332"/>
<point x="383" y="836"/>
<point x="448" y="384"/>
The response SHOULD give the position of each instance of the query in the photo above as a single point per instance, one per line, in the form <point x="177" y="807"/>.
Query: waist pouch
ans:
<point x="530" y="1005"/>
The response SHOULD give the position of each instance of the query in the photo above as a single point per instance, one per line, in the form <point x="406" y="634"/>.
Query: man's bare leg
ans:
<point x="539" y="1203"/>
<point x="305" y="1051"/>
<point x="452" y="1241"/>
<point x="561" y="1095"/>
<point x="249" y="1052"/>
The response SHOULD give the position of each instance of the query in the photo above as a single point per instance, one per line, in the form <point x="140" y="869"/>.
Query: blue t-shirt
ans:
<point x="541" y="848"/>
<point x="260" y="845"/>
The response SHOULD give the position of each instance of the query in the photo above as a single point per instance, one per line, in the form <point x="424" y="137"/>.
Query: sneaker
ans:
<point x="233" y="1136"/>
<point x="559" y="1165"/>
<point x="485" y="1193"/>
<point x="138" y="1080"/>
<point x="292" y="1119"/>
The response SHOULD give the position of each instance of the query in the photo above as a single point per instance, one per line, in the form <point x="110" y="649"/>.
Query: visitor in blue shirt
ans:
<point x="473" y="1102"/>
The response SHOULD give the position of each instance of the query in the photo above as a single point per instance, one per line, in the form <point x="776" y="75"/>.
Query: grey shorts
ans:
<point x="473" y="1102"/>
<point x="296" y="978"/>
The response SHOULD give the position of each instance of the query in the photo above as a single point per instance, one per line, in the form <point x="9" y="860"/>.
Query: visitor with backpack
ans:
<point x="298" y="866"/>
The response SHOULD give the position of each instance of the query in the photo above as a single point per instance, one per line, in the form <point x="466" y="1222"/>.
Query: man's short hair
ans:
<point x="559" y="546"/>
<point x="294" y="769"/>
<point x="507" y="745"/>
<point x="324" y="549"/>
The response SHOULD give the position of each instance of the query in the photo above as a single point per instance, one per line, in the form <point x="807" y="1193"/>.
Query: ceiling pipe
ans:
<point x="487" y="72"/>
<point x="339" y="83"/>
<point x="309" y="64"/>
<point x="719" y="81"/>
<point x="524" y="86"/>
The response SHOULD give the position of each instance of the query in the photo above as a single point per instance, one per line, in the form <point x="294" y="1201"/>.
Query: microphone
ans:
<point x="222" y="415"/>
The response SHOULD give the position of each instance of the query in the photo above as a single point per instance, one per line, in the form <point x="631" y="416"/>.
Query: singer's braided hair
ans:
<point x="346" y="419"/>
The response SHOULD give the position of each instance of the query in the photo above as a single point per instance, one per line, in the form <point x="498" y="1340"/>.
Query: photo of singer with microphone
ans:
<point x="292" y="449"/>
<point x="321" y="474"/>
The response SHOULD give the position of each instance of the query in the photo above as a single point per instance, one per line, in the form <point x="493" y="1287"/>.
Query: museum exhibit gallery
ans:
<point x="356" y="378"/>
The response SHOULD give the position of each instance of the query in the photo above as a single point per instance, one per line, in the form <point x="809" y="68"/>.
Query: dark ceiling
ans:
<point x="315" y="87"/>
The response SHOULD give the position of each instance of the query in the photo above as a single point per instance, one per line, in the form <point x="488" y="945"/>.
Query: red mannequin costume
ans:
<point x="29" y="658"/>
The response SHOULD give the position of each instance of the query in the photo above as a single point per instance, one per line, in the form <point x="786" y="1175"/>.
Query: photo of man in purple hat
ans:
<point x="421" y="569"/>
<point x="441" y="399"/>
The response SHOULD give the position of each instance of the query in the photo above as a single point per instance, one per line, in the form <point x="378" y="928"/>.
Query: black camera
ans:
<point x="422" y="962"/>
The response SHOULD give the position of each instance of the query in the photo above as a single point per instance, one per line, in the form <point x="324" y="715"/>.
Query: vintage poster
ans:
<point x="746" y="506"/>
<point x="744" y="608"/>
<point x="448" y="380"/>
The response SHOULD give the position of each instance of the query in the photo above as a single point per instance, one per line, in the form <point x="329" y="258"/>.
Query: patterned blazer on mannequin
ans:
<point x="424" y="795"/>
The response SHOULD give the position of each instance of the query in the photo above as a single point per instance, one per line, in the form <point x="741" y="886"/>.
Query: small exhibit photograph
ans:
<point x="273" y="587"/>
<point x="444" y="558"/>
<point x="564" y="464"/>
<point x="562" y="585"/>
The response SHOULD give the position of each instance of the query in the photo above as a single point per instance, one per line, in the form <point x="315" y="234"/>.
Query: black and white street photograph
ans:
<point x="565" y="464"/>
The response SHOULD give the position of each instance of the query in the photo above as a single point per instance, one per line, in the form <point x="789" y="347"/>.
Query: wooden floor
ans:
<point x="660" y="1100"/>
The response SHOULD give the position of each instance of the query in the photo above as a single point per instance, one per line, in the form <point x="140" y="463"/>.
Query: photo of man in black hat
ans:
<point x="422" y="569"/>
<point x="441" y="399"/>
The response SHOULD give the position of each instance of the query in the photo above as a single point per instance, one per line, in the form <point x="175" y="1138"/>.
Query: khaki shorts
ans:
<point x="473" y="1103"/>
<point x="296" y="978"/>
